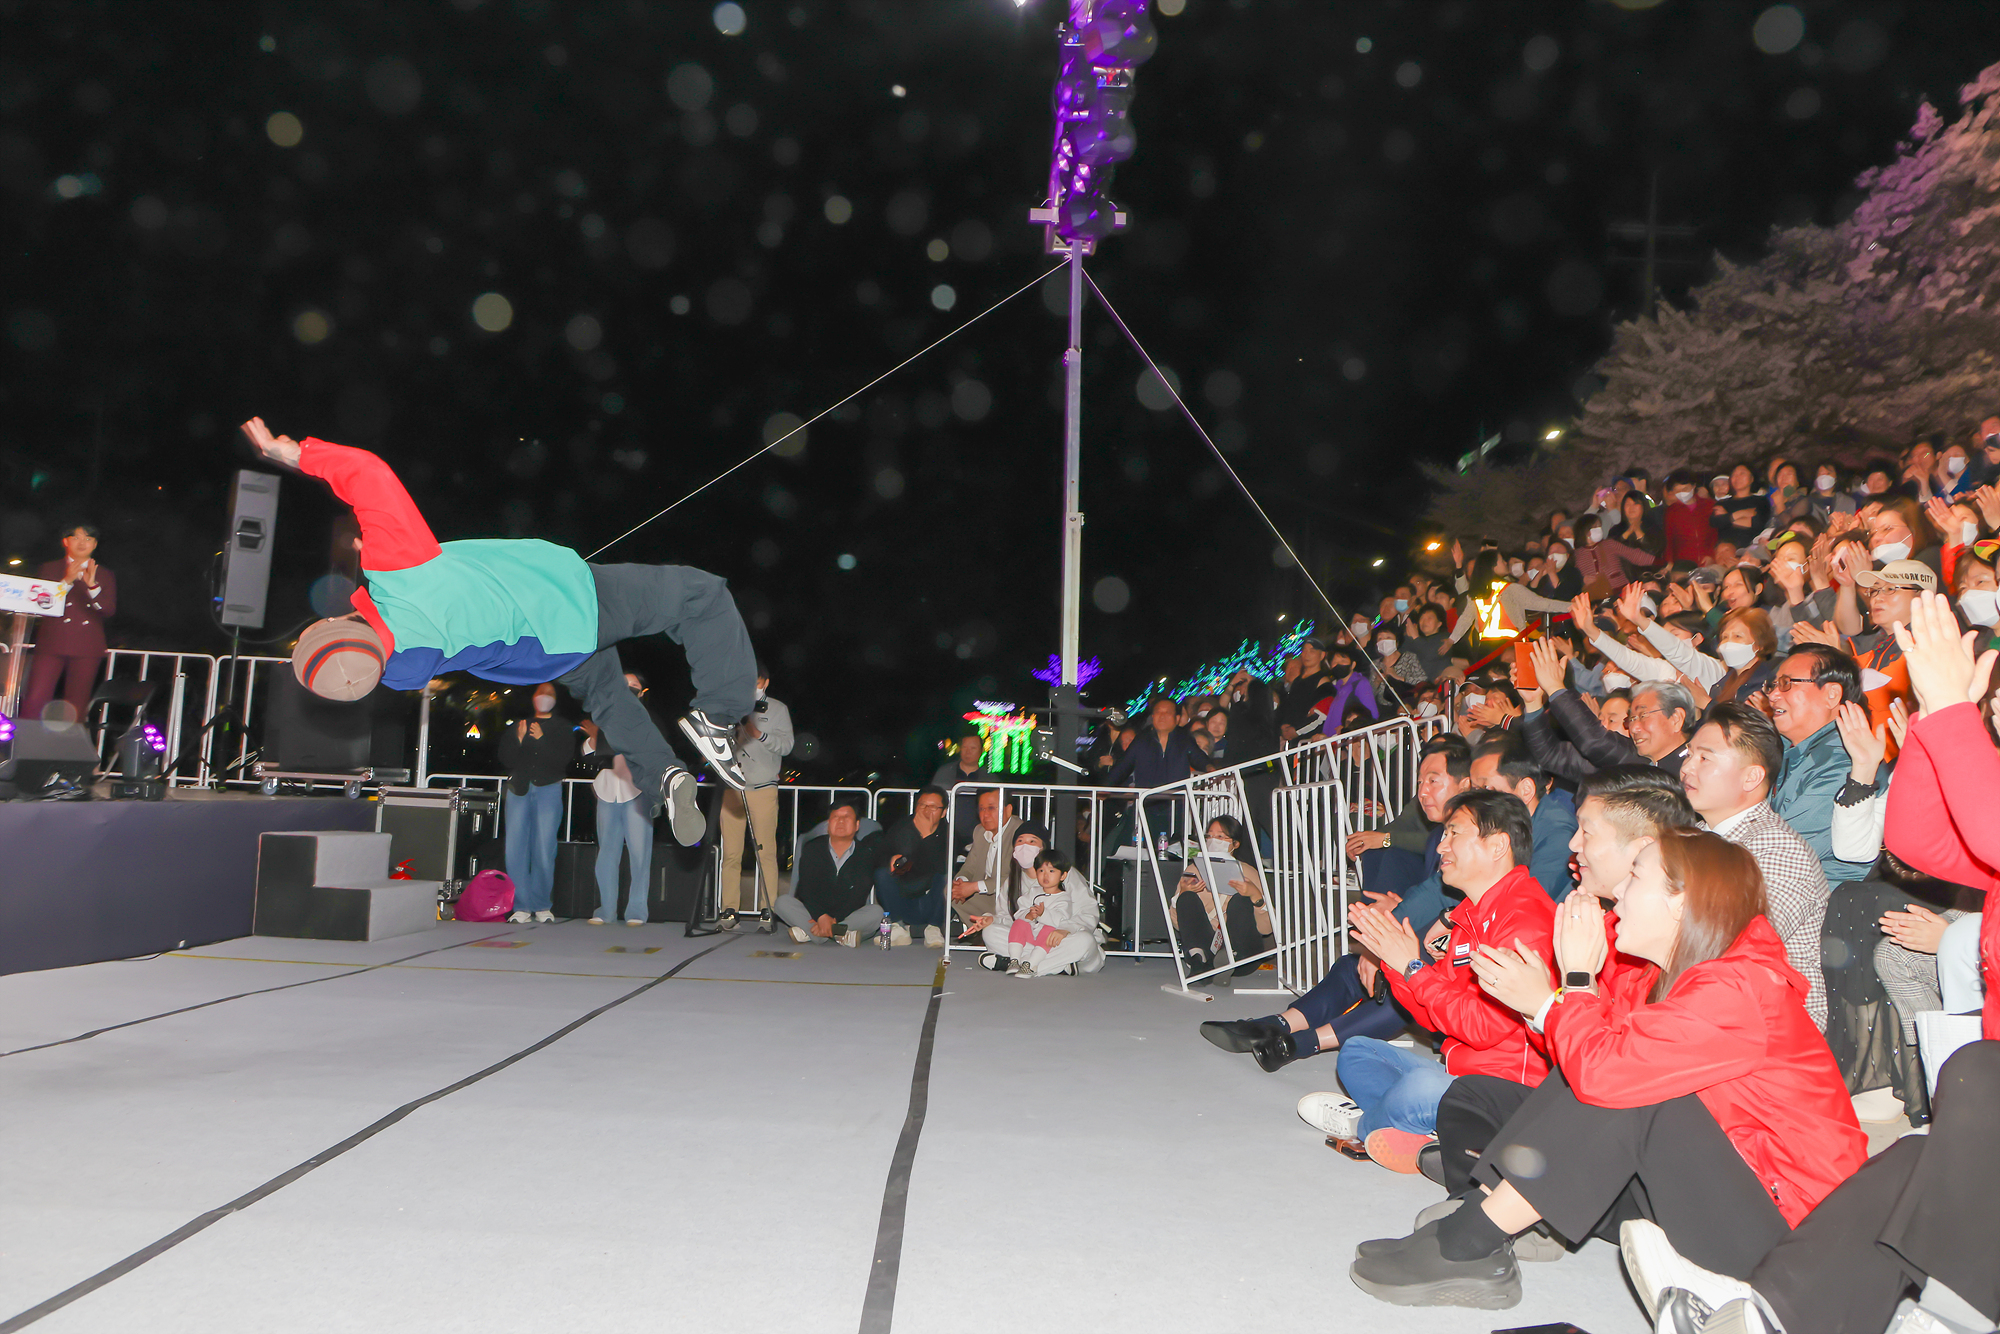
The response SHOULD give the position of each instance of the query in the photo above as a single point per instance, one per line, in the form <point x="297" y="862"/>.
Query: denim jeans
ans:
<point x="623" y="827"/>
<point x="913" y="904"/>
<point x="1394" y="1086"/>
<point x="532" y="822"/>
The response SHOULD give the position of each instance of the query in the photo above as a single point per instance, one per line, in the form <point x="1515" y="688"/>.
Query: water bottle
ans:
<point x="882" y="935"/>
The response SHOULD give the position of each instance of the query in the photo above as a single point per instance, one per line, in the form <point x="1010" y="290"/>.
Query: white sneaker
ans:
<point x="933" y="938"/>
<point x="993" y="963"/>
<point x="545" y="916"/>
<point x="899" y="935"/>
<point x="849" y="938"/>
<point x="801" y="935"/>
<point x="681" y="800"/>
<point x="1655" y="1266"/>
<point x="597" y="921"/>
<point x="635" y="921"/>
<point x="1333" y="1114"/>
<point x="716" y="743"/>
<point x="518" y="918"/>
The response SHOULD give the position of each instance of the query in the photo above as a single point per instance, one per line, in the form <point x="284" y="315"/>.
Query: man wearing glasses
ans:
<point x="1811" y="685"/>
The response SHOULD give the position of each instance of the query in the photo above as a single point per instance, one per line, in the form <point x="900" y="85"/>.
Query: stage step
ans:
<point x="335" y="886"/>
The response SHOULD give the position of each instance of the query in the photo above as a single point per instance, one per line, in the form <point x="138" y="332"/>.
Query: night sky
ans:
<point x="1363" y="234"/>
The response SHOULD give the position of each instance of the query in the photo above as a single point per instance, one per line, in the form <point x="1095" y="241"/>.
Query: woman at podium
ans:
<point x="70" y="648"/>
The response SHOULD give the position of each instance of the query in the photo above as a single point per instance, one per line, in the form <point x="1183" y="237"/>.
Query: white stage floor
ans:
<point x="710" y="1155"/>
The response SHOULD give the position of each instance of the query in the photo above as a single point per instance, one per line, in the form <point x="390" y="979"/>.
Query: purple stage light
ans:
<point x="1104" y="41"/>
<point x="1086" y="671"/>
<point x="6" y="729"/>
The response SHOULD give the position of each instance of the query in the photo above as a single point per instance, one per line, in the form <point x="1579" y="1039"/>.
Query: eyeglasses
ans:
<point x="1780" y="684"/>
<point x="1634" y="715"/>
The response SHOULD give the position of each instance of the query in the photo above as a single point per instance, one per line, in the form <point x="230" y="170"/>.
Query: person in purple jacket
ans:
<point x="526" y="611"/>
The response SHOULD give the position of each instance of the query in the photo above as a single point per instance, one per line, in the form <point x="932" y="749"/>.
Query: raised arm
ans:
<point x="394" y="535"/>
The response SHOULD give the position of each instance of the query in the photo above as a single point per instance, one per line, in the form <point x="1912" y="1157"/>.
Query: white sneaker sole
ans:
<point x="684" y="809"/>
<point x="1329" y="1119"/>
<point x="717" y="752"/>
<point x="1655" y="1266"/>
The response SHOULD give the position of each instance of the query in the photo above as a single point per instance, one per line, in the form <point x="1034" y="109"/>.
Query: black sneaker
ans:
<point x="678" y="794"/>
<point x="726" y="920"/>
<point x="716" y="743"/>
<point x="1241" y="1035"/>
<point x="1414" y="1272"/>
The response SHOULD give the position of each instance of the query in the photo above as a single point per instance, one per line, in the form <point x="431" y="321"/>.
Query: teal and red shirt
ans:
<point x="518" y="612"/>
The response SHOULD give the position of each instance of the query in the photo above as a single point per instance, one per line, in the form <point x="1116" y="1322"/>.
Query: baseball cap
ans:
<point x="1900" y="574"/>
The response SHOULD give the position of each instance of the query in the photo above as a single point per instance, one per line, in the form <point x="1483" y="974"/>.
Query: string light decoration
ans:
<point x="1086" y="671"/>
<point x="1009" y="735"/>
<point x="1262" y="663"/>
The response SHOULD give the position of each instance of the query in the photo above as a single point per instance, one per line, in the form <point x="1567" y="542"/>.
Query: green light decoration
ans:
<point x="1008" y="733"/>
<point x="1264" y="664"/>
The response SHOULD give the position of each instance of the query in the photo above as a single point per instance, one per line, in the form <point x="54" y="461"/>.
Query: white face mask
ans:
<point x="760" y="692"/>
<point x="1981" y="606"/>
<point x="1558" y="559"/>
<point x="1402" y="604"/>
<point x="1472" y="701"/>
<point x="1889" y="551"/>
<point x="1823" y="482"/>
<point x="1684" y="497"/>
<point x="1954" y="465"/>
<point x="1025" y="854"/>
<point x="1516" y="568"/>
<point x="1427" y="709"/>
<point x="1617" y="681"/>
<point x="1735" y="656"/>
<point x="1215" y="847"/>
<point x="1360" y="628"/>
<point x="545" y="703"/>
<point x="1968" y="533"/>
<point x="1594" y="536"/>
<point x="1385" y="647"/>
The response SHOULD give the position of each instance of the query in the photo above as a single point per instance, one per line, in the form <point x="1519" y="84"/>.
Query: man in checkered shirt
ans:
<point x="1731" y="762"/>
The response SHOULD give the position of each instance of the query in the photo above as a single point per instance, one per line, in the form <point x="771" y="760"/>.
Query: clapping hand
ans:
<point x="1580" y="943"/>
<point x="1517" y="978"/>
<point x="280" y="449"/>
<point x="1808" y="633"/>
<point x="1865" y="745"/>
<point x="1899" y="720"/>
<point x="1582" y="615"/>
<point x="1987" y="500"/>
<point x="1943" y="668"/>
<point x="1384" y="935"/>
<point x="1632" y="604"/>
<point x="1551" y="668"/>
<point x="1941" y="517"/>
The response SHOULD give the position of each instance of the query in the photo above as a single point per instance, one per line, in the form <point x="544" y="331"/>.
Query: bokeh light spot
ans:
<point x="311" y="326"/>
<point x="944" y="296"/>
<point x="1222" y="388"/>
<point x="971" y="400"/>
<point x="785" y="433"/>
<point x="492" y="312"/>
<point x="1153" y="392"/>
<point x="888" y="483"/>
<point x="1111" y="595"/>
<point x="938" y="251"/>
<point x="1778" y="29"/>
<point x="284" y="129"/>
<point x="584" y="333"/>
<point x="838" y="209"/>
<point x="730" y="20"/>
<point x="845" y="560"/>
<point x="689" y="86"/>
<point x="1540" y="53"/>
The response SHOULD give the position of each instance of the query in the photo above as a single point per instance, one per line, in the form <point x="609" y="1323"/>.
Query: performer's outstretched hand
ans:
<point x="281" y="449"/>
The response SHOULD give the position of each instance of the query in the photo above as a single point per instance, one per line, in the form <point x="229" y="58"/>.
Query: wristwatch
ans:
<point x="1413" y="967"/>
<point x="1578" y="980"/>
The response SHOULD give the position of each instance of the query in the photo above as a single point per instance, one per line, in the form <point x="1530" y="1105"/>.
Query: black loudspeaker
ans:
<point x="37" y="753"/>
<point x="678" y="877"/>
<point x="246" y="569"/>
<point x="307" y="734"/>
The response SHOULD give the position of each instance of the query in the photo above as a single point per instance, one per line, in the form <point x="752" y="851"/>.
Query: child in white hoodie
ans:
<point x="1053" y="928"/>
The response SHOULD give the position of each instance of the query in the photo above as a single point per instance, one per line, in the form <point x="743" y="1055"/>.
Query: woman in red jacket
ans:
<point x="1709" y="1104"/>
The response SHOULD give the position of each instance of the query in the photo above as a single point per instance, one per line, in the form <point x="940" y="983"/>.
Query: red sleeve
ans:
<point x="1709" y="1030"/>
<point x="1465" y="1011"/>
<point x="394" y="535"/>
<point x="1963" y="848"/>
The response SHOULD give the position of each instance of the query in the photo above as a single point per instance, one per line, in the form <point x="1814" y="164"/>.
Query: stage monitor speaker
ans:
<point x="38" y="752"/>
<point x="246" y="567"/>
<point x="310" y="734"/>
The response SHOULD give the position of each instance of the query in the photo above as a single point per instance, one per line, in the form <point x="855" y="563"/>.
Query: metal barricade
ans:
<point x="181" y="697"/>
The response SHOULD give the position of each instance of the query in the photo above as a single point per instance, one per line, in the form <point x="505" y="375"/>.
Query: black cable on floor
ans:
<point x="261" y="991"/>
<point x="111" y="1273"/>
<point x="878" y="1308"/>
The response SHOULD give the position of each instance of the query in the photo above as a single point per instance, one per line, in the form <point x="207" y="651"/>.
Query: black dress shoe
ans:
<point x="1275" y="1051"/>
<point x="1414" y="1272"/>
<point x="1241" y="1035"/>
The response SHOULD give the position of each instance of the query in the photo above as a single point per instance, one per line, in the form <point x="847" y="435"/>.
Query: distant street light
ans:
<point x="1432" y="545"/>
<point x="1553" y="433"/>
<point x="1375" y="564"/>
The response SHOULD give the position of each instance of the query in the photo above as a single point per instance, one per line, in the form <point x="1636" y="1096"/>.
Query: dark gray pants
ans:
<point x="689" y="606"/>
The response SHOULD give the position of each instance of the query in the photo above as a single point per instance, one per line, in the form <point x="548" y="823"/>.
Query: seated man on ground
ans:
<point x="909" y="882"/>
<point x="1708" y="1103"/>
<point x="985" y="860"/>
<point x="1488" y="839"/>
<point x="1049" y="927"/>
<point x="1349" y="999"/>
<point x="1502" y="763"/>
<point x="830" y="884"/>
<point x="1728" y="780"/>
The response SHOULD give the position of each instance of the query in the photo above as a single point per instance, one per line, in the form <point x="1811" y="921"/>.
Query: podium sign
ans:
<point x="33" y="597"/>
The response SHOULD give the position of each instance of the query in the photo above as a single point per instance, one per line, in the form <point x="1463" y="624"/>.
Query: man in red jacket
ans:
<point x="1488" y="839"/>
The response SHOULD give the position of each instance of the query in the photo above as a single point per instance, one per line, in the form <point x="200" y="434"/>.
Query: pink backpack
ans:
<point x="488" y="897"/>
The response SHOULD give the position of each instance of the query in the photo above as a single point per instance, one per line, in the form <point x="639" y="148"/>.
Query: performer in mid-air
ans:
<point x="521" y="612"/>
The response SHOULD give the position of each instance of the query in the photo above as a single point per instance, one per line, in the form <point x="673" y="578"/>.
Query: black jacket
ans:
<point x="829" y="891"/>
<point x="1146" y="763"/>
<point x="1594" y="746"/>
<point x="537" y="760"/>
<point x="927" y="856"/>
<point x="1253" y="724"/>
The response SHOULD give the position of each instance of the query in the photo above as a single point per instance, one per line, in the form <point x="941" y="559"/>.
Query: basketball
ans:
<point x="338" y="659"/>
